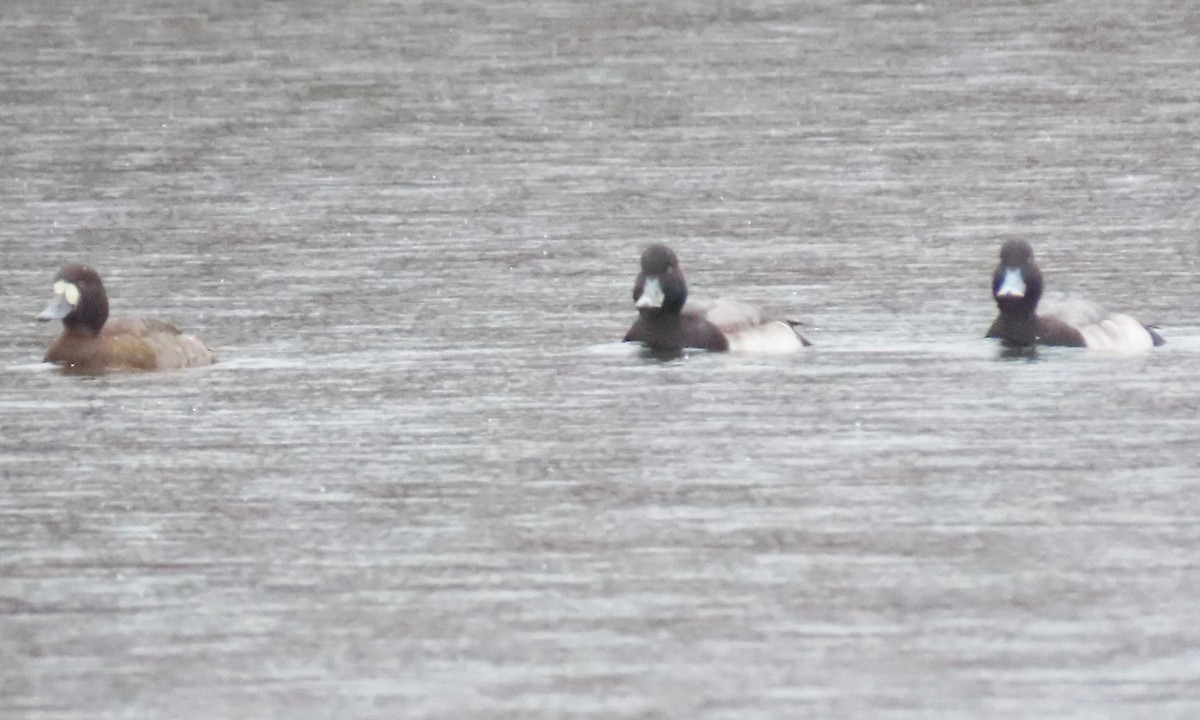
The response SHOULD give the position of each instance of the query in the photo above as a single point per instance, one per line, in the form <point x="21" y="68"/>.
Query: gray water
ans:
<point x="426" y="481"/>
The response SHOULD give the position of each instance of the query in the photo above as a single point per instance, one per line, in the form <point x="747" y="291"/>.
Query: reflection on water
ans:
<point x="424" y="476"/>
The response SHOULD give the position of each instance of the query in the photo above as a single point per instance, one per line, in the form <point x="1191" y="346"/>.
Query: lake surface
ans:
<point x="426" y="481"/>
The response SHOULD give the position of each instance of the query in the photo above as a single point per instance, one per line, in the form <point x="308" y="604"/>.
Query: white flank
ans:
<point x="773" y="338"/>
<point x="1118" y="334"/>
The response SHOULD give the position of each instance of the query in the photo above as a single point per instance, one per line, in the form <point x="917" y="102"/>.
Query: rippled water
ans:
<point x="425" y="481"/>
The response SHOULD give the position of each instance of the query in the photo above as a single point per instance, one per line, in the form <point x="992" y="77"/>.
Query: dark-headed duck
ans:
<point x="90" y="344"/>
<point x="664" y="324"/>
<point x="1017" y="288"/>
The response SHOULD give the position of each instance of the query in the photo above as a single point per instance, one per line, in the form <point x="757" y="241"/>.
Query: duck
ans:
<point x="668" y="323"/>
<point x="1069" y="322"/>
<point x="91" y="344"/>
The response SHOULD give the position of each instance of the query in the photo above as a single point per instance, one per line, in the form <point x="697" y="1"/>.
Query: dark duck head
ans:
<point x="1017" y="281"/>
<point x="79" y="299"/>
<point x="660" y="287"/>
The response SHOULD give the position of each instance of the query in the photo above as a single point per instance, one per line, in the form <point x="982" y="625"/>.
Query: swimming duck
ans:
<point x="666" y="323"/>
<point x="91" y="344"/>
<point x="1017" y="288"/>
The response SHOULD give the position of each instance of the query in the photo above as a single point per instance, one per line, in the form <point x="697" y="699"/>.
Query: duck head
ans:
<point x="1017" y="281"/>
<point x="79" y="299"/>
<point x="660" y="286"/>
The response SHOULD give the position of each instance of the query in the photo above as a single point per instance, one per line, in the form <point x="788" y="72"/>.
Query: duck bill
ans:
<point x="58" y="309"/>
<point x="652" y="295"/>
<point x="1013" y="285"/>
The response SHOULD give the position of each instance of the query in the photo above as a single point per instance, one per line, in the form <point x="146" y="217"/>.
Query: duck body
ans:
<point x="1062" y="321"/>
<point x="667" y="322"/>
<point x="676" y="331"/>
<point x="92" y="344"/>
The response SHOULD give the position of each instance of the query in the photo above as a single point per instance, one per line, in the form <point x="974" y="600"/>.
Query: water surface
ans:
<point x="425" y="481"/>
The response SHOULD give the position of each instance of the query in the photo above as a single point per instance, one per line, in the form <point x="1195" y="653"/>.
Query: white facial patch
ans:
<point x="652" y="294"/>
<point x="1013" y="285"/>
<point x="68" y="290"/>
